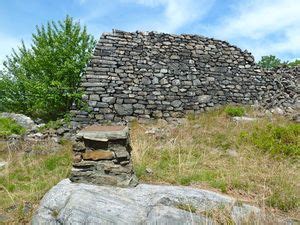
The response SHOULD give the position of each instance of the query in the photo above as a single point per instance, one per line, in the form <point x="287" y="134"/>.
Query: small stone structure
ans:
<point x="157" y="75"/>
<point x="102" y="157"/>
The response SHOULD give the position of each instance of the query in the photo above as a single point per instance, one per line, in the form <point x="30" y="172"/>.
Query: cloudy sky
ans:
<point x="261" y="26"/>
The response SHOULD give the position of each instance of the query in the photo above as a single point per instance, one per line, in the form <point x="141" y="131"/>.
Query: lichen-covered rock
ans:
<point x="72" y="203"/>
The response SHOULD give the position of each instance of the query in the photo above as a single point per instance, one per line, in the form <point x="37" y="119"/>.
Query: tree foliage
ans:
<point x="271" y="62"/>
<point x="294" y="63"/>
<point x="43" y="80"/>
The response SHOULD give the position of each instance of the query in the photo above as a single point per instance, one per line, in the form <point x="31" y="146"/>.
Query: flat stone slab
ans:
<point x="243" y="119"/>
<point x="75" y="203"/>
<point x="97" y="155"/>
<point x="104" y="133"/>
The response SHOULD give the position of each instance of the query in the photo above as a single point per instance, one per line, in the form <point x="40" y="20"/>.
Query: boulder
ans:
<point x="21" y="119"/>
<point x="76" y="203"/>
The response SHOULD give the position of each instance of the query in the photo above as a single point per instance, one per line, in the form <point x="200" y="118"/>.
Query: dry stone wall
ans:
<point x="157" y="75"/>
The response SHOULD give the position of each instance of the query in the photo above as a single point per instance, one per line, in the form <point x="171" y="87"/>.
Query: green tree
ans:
<point x="294" y="63"/>
<point x="43" y="80"/>
<point x="269" y="62"/>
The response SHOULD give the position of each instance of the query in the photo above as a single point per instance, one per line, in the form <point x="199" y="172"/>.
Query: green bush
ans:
<point x="275" y="139"/>
<point x="272" y="62"/>
<point x="9" y="127"/>
<point x="294" y="63"/>
<point x="235" y="111"/>
<point x="43" y="80"/>
<point x="269" y="62"/>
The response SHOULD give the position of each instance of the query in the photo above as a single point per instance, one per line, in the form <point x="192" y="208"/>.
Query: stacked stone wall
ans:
<point x="157" y="75"/>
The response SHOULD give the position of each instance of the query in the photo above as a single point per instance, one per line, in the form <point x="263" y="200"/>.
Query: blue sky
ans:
<point x="261" y="26"/>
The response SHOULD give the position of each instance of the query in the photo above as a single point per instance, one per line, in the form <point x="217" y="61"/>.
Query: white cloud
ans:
<point x="264" y="27"/>
<point x="176" y="13"/>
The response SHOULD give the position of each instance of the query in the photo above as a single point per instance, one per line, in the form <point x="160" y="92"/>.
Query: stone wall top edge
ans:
<point x="116" y="32"/>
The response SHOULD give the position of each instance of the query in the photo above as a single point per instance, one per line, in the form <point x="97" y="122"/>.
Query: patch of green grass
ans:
<point x="204" y="176"/>
<point x="140" y="170"/>
<point x="53" y="125"/>
<point x="276" y="139"/>
<point x="191" y="117"/>
<point x="166" y="160"/>
<point x="9" y="127"/>
<point x="221" y="141"/>
<point x="285" y="196"/>
<point x="198" y="176"/>
<point x="235" y="111"/>
<point x="28" y="177"/>
<point x="55" y="161"/>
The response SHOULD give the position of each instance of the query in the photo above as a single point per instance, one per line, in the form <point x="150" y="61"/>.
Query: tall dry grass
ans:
<point x="212" y="151"/>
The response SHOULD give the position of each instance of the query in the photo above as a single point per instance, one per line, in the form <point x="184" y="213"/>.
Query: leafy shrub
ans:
<point x="9" y="127"/>
<point x="235" y="111"/>
<point x="43" y="80"/>
<point x="294" y="63"/>
<point x="52" y="125"/>
<point x="276" y="139"/>
<point x="269" y="62"/>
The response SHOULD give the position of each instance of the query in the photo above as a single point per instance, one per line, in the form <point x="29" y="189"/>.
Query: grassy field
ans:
<point x="29" y="176"/>
<point x="256" y="162"/>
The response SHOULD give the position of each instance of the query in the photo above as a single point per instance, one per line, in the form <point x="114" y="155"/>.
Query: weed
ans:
<point x="221" y="141"/>
<point x="221" y="215"/>
<point x="140" y="170"/>
<point x="186" y="207"/>
<point x="55" y="124"/>
<point x="8" y="127"/>
<point x="55" y="213"/>
<point x="235" y="111"/>
<point x="191" y="117"/>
